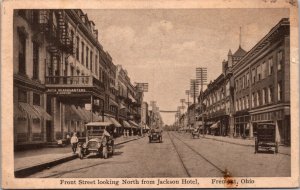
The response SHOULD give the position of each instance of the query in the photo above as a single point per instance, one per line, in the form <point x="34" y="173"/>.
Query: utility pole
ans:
<point x="141" y="88"/>
<point x="201" y="76"/>
<point x="187" y="92"/>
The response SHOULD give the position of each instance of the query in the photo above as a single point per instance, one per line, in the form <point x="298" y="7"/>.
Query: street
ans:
<point x="178" y="156"/>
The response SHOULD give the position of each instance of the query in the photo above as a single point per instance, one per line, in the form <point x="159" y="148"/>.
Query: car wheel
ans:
<point x="80" y="155"/>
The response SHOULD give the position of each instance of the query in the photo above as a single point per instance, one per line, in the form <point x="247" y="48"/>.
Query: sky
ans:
<point x="164" y="46"/>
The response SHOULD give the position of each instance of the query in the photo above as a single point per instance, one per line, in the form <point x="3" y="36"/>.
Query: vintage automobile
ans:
<point x="196" y="133"/>
<point x="266" y="137"/>
<point x="99" y="140"/>
<point x="155" y="135"/>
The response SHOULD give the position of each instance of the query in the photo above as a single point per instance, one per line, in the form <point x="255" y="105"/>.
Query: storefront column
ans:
<point x="250" y="130"/>
<point x="44" y="135"/>
<point x="53" y="113"/>
<point x="61" y="117"/>
<point x="231" y="127"/>
<point x="30" y="119"/>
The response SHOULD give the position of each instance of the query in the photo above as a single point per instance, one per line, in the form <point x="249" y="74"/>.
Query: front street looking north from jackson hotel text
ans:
<point x="152" y="93"/>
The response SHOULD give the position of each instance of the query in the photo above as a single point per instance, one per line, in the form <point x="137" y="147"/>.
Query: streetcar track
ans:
<point x="180" y="158"/>
<point x="224" y="172"/>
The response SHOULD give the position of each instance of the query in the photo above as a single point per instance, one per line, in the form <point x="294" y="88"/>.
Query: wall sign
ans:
<point x="66" y="90"/>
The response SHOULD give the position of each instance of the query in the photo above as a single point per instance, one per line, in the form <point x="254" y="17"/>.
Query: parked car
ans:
<point x="155" y="135"/>
<point x="99" y="140"/>
<point x="266" y="137"/>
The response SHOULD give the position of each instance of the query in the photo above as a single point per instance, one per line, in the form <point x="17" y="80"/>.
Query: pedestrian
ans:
<point x="68" y="138"/>
<point x="74" y="141"/>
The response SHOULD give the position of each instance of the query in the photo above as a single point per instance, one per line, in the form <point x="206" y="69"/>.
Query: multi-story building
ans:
<point x="262" y="84"/>
<point x="217" y="99"/>
<point x="63" y="78"/>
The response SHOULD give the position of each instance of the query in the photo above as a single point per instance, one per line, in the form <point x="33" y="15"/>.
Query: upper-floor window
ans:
<point x="82" y="53"/>
<point x="91" y="61"/>
<point x="35" y="60"/>
<point x="263" y="70"/>
<point x="253" y="75"/>
<point x="77" y="48"/>
<point x="247" y="79"/>
<point x="279" y="60"/>
<point x="22" y="54"/>
<point x="87" y="58"/>
<point x="258" y="94"/>
<point x="270" y="94"/>
<point x="270" y="65"/>
<point x="279" y="91"/>
<point x="96" y="64"/>
<point x="258" y="70"/>
<point x="22" y="95"/>
<point x="253" y="100"/>
<point x="36" y="99"/>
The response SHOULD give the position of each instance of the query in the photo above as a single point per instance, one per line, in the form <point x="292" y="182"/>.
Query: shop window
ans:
<point x="36" y="99"/>
<point x="22" y="96"/>
<point x="22" y="54"/>
<point x="279" y="60"/>
<point x="270" y="65"/>
<point x="35" y="57"/>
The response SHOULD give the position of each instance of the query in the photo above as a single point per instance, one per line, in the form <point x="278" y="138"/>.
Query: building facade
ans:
<point x="262" y="85"/>
<point x="253" y="88"/>
<point x="63" y="78"/>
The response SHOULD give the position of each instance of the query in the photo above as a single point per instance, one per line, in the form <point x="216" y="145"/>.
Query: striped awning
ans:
<point x="126" y="124"/>
<point x="29" y="110"/>
<point x="42" y="112"/>
<point x="134" y="123"/>
<point x="72" y="114"/>
<point x="115" y="122"/>
<point x="215" y="125"/>
<point x="80" y="113"/>
<point x="18" y="113"/>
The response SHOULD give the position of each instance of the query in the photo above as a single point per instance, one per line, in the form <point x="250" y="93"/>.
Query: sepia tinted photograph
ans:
<point x="152" y="97"/>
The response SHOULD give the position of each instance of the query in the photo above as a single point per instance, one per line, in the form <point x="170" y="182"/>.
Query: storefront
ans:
<point x="278" y="115"/>
<point x="242" y="126"/>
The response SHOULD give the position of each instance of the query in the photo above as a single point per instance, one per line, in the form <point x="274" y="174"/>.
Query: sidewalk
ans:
<point x="40" y="157"/>
<point x="245" y="142"/>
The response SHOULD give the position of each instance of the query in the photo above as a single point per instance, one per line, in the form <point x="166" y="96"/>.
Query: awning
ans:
<point x="126" y="124"/>
<point x="134" y="123"/>
<point x="29" y="110"/>
<point x="42" y="112"/>
<point x="78" y="113"/>
<point x="215" y="125"/>
<point x="122" y="107"/>
<point x="132" y="99"/>
<point x="81" y="113"/>
<point x="18" y="113"/>
<point x="115" y="122"/>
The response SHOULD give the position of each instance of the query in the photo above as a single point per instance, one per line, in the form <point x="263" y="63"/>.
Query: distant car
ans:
<point x="98" y="140"/>
<point x="155" y="135"/>
<point x="196" y="133"/>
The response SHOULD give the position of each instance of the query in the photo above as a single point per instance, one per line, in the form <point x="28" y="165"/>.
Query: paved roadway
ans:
<point x="178" y="156"/>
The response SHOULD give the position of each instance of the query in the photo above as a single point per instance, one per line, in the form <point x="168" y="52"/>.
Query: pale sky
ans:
<point x="164" y="47"/>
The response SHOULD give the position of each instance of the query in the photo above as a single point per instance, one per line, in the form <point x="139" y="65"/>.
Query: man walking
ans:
<point x="74" y="141"/>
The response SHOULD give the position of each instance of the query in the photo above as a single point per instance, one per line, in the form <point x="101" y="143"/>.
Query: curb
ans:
<point x="24" y="172"/>
<point x="248" y="145"/>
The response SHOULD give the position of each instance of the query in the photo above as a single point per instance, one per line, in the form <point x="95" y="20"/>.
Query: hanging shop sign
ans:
<point x="66" y="90"/>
